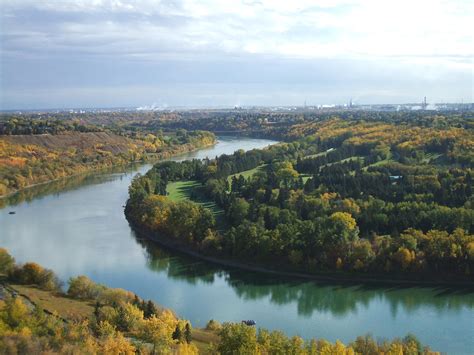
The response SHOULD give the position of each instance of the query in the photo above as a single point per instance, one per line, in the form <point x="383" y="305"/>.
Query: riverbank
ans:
<point x="150" y="158"/>
<point x="344" y="278"/>
<point x="70" y="310"/>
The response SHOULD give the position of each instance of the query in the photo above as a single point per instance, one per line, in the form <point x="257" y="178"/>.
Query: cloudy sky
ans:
<point x="109" y="53"/>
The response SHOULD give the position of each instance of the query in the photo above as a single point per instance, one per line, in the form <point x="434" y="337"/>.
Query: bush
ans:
<point x="84" y="288"/>
<point x="34" y="274"/>
<point x="237" y="338"/>
<point x="115" y="296"/>
<point x="213" y="325"/>
<point x="7" y="262"/>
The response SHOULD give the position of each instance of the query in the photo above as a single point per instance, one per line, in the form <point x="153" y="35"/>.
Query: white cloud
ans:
<point x="342" y="28"/>
<point x="404" y="40"/>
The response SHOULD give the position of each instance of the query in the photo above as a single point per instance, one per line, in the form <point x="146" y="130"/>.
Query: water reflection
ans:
<point x="310" y="296"/>
<point x="67" y="184"/>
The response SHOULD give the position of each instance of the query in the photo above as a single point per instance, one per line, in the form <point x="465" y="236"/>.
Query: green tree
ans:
<point x="238" y="211"/>
<point x="187" y="333"/>
<point x="237" y="338"/>
<point x="6" y="261"/>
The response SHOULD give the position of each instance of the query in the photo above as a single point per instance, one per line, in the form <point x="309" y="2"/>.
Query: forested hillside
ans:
<point x="384" y="197"/>
<point x="56" y="149"/>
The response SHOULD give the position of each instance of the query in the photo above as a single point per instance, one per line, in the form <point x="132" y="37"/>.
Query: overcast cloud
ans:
<point x="103" y="53"/>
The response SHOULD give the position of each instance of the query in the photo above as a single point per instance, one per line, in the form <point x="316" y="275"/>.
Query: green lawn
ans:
<point x="431" y="158"/>
<point x="247" y="173"/>
<point x="317" y="154"/>
<point x="379" y="163"/>
<point x="181" y="190"/>
<point x="192" y="190"/>
<point x="305" y="177"/>
<point x="356" y="157"/>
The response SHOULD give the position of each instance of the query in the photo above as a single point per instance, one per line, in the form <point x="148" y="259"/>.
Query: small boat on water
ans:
<point x="12" y="212"/>
<point x="249" y="322"/>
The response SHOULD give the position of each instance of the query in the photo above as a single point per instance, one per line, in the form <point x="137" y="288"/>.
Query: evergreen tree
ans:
<point x="177" y="334"/>
<point x="187" y="333"/>
<point x="150" y="309"/>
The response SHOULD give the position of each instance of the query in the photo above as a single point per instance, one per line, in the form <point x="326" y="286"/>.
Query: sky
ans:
<point x="214" y="53"/>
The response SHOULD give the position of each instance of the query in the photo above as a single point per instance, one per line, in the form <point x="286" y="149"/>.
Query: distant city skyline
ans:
<point x="111" y="53"/>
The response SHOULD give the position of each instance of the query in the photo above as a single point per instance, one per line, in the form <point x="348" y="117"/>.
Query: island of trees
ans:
<point x="376" y="196"/>
<point x="37" y="317"/>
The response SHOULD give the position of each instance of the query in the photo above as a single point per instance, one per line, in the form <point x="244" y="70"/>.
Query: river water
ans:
<point x="77" y="226"/>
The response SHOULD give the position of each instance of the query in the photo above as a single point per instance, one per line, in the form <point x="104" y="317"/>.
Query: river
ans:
<point x="77" y="226"/>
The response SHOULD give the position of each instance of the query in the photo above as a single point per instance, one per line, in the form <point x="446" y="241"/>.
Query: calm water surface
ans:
<point x="77" y="226"/>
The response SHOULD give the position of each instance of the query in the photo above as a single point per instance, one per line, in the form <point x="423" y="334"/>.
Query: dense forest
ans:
<point x="102" y="320"/>
<point x="275" y="124"/>
<point x="34" y="151"/>
<point x="252" y="122"/>
<point x="376" y="195"/>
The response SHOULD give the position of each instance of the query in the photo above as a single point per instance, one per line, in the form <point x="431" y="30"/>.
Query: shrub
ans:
<point x="115" y="296"/>
<point x="7" y="262"/>
<point x="83" y="287"/>
<point x="34" y="274"/>
<point x="213" y="325"/>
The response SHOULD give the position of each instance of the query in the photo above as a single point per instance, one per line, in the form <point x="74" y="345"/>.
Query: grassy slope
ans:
<point x="65" y="307"/>
<point x="192" y="190"/>
<point x="71" y="309"/>
<point x="247" y="173"/>
<point x="181" y="190"/>
<point x="108" y="141"/>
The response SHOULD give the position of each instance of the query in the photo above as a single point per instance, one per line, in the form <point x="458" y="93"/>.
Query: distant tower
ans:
<point x="424" y="105"/>
<point x="350" y="103"/>
<point x="305" y="104"/>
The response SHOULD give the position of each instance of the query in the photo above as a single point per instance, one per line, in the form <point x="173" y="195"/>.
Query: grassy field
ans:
<point x="181" y="190"/>
<point x="317" y="154"/>
<point x="65" y="307"/>
<point x="247" y="173"/>
<point x="305" y="177"/>
<point x="431" y="158"/>
<point x="193" y="190"/>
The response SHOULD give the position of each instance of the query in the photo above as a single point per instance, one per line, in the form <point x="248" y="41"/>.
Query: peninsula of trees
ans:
<point x="372" y="196"/>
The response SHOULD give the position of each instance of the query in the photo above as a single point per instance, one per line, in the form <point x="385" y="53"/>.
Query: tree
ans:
<point x="6" y="261"/>
<point x="83" y="287"/>
<point x="15" y="313"/>
<point x="345" y="219"/>
<point x="150" y="309"/>
<point x="187" y="333"/>
<point x="128" y="317"/>
<point x="237" y="338"/>
<point x="177" y="334"/>
<point x="158" y="329"/>
<point x="404" y="257"/>
<point x="34" y="274"/>
<point x="238" y="211"/>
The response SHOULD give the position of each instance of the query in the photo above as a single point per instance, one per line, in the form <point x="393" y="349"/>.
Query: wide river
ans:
<point x="77" y="226"/>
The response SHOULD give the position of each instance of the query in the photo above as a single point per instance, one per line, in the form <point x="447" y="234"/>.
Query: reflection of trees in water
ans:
<point x="66" y="184"/>
<point x="310" y="296"/>
<point x="177" y="267"/>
